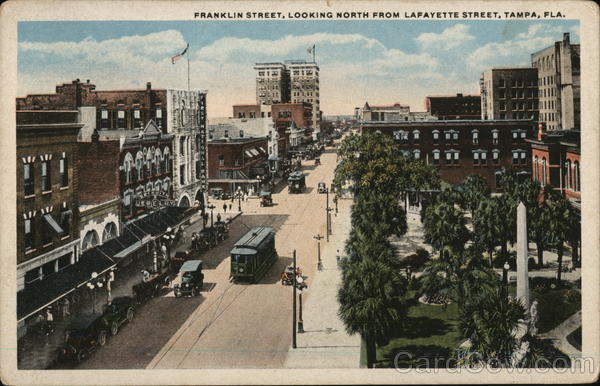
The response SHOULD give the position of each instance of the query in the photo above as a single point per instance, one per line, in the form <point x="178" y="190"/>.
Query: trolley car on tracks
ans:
<point x="253" y="254"/>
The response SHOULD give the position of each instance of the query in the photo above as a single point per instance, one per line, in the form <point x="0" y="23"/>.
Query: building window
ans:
<point x="475" y="158"/>
<point x="110" y="232"/>
<point x="29" y="234"/>
<point x="226" y="134"/>
<point x="121" y="119"/>
<point x="448" y="135"/>
<point x="436" y="157"/>
<point x="64" y="173"/>
<point x="198" y="169"/>
<point x="28" y="180"/>
<point x="103" y="114"/>
<point x="515" y="157"/>
<point x="90" y="240"/>
<point x="436" y="137"/>
<point x="65" y="220"/>
<point x="475" y="137"/>
<point x="483" y="158"/>
<point x="535" y="168"/>
<point x="544" y="181"/>
<point x="515" y="135"/>
<point x="182" y="175"/>
<point x="416" y="135"/>
<point x="495" y="157"/>
<point x="158" y="113"/>
<point x="417" y="154"/>
<point x="495" y="137"/>
<point x="448" y="158"/>
<point x="455" y="160"/>
<point x="523" y="157"/>
<point x="241" y="133"/>
<point x="182" y="146"/>
<point x="221" y="160"/>
<point x="45" y="181"/>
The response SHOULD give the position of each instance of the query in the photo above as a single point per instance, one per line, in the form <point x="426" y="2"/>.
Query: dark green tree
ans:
<point x="444" y="226"/>
<point x="474" y="189"/>
<point x="562" y="225"/>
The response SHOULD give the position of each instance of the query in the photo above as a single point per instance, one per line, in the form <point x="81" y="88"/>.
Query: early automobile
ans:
<point x="221" y="230"/>
<point x="317" y="161"/>
<point x="296" y="182"/>
<point x="266" y="199"/>
<point x="253" y="254"/>
<point x="90" y="330"/>
<point x="322" y="187"/>
<point x="191" y="279"/>
<point x="216" y="192"/>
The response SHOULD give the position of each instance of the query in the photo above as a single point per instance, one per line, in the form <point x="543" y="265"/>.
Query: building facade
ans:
<point x="272" y="83"/>
<point x="450" y="107"/>
<point x="556" y="161"/>
<point x="239" y="162"/>
<point x="509" y="93"/>
<point x="559" y="85"/>
<point x="294" y="81"/>
<point x="392" y="113"/>
<point x="178" y="112"/>
<point x="47" y="198"/>
<point x="462" y="148"/>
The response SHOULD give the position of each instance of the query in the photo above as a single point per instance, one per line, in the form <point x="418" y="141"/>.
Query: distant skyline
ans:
<point x="381" y="62"/>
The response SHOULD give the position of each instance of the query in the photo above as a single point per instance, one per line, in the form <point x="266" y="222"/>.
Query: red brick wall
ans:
<point x="301" y="114"/>
<point x="98" y="168"/>
<point x="246" y="110"/>
<point x="231" y="151"/>
<point x="570" y="191"/>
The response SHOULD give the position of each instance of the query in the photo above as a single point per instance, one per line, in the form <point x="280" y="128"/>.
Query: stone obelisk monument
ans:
<point x="522" y="268"/>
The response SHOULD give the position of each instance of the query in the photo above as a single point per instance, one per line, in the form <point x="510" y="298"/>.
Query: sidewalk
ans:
<point x="325" y="343"/>
<point x="560" y="333"/>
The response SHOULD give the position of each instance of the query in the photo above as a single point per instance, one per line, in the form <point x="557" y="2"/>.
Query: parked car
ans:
<point x="191" y="279"/>
<point x="266" y="199"/>
<point x="90" y="330"/>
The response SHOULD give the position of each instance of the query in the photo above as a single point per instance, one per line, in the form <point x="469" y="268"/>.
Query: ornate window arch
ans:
<point x="110" y="231"/>
<point x="90" y="240"/>
<point x="576" y="177"/>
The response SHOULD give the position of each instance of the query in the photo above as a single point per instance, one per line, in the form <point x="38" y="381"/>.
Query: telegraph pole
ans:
<point x="294" y="345"/>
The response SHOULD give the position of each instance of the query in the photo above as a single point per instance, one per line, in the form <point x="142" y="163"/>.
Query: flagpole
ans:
<point x="314" y="53"/>
<point x="188" y="69"/>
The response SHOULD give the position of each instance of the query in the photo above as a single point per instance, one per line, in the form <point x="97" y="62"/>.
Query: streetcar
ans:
<point x="296" y="182"/>
<point x="253" y="254"/>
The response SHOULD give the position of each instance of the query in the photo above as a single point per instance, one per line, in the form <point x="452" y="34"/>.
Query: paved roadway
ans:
<point x="230" y="325"/>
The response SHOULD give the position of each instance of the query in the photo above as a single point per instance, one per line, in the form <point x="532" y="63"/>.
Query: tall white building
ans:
<point x="186" y="111"/>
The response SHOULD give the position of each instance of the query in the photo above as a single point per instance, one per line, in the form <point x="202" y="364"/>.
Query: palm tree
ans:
<point x="562" y="224"/>
<point x="474" y="190"/>
<point x="537" y="226"/>
<point x="371" y="301"/>
<point x="379" y="212"/>
<point x="489" y="320"/>
<point x="486" y="232"/>
<point x="445" y="226"/>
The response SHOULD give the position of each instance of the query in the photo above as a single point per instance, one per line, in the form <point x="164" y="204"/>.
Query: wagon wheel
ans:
<point x="130" y="314"/>
<point x="81" y="355"/>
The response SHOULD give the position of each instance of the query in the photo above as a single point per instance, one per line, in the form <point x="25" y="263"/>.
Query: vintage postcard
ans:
<point x="299" y="192"/>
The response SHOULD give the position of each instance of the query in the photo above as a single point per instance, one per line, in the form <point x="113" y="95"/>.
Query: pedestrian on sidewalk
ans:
<point x="65" y="307"/>
<point x="229" y="207"/>
<point x="224" y="208"/>
<point x="218" y="217"/>
<point x="49" y="321"/>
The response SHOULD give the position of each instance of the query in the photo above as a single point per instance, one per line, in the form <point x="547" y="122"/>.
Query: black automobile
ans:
<point x="192" y="279"/>
<point x="89" y="331"/>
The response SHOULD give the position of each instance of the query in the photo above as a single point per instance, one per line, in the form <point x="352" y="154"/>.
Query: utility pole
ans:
<point x="318" y="237"/>
<point x="327" y="214"/>
<point x="294" y="345"/>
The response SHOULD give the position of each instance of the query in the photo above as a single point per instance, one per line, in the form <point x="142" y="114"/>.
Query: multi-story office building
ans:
<point x="178" y="112"/>
<point x="272" y="83"/>
<point x="449" y="107"/>
<point x="459" y="148"/>
<point x="509" y="93"/>
<point x="295" y="81"/>
<point x="559" y="84"/>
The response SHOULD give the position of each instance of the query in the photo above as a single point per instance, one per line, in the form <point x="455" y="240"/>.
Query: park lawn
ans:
<point x="429" y="332"/>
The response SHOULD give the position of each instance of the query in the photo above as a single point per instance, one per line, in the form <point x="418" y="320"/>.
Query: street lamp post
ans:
<point x="294" y="345"/>
<point x="93" y="283"/>
<point x="505" y="269"/>
<point x="168" y="237"/>
<point x="300" y="321"/>
<point x="211" y="207"/>
<point x="318" y="237"/>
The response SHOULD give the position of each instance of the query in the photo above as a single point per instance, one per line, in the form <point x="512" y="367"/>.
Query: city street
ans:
<point x="230" y="325"/>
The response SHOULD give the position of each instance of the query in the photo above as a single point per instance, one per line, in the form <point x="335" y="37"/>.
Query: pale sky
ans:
<point x="381" y="62"/>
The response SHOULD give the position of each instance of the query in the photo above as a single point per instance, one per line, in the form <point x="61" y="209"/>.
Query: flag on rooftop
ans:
<point x="179" y="56"/>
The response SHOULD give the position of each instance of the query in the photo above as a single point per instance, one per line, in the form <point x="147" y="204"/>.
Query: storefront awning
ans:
<point x="128" y="250"/>
<point x="231" y="180"/>
<point x="40" y="294"/>
<point x="53" y="224"/>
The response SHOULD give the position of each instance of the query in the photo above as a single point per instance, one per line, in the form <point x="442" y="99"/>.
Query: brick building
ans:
<point x="559" y="83"/>
<point x="178" y="112"/>
<point x="450" y="107"/>
<point x="237" y="162"/>
<point x="509" y="93"/>
<point x="47" y="196"/>
<point x="556" y="161"/>
<point x="272" y="83"/>
<point x="459" y="148"/>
